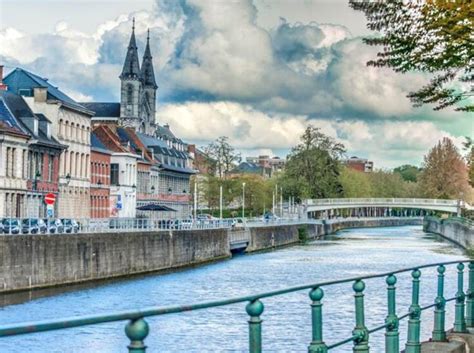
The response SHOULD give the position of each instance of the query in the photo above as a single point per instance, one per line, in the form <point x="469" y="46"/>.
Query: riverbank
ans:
<point x="456" y="230"/>
<point x="39" y="261"/>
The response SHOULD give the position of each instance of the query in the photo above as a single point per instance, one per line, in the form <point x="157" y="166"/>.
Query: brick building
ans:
<point x="360" y="164"/>
<point x="100" y="179"/>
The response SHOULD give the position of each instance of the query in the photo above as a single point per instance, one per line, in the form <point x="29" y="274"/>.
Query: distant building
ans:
<point x="269" y="165"/>
<point x="200" y="161"/>
<point x="360" y="164"/>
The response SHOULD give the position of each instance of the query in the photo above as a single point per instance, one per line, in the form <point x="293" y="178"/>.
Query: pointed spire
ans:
<point x="147" y="72"/>
<point x="131" y="66"/>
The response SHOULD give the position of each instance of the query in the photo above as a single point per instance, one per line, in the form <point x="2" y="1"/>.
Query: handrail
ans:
<point x="137" y="328"/>
<point x="387" y="200"/>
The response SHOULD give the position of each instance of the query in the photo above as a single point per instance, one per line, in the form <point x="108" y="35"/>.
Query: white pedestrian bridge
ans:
<point x="452" y="206"/>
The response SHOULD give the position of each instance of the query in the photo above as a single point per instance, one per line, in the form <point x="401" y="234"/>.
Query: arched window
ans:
<point x="129" y="94"/>
<point x="61" y="128"/>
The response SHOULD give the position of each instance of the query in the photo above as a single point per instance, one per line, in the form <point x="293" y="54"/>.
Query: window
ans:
<point x="129" y="94"/>
<point x="114" y="174"/>
<point x="50" y="167"/>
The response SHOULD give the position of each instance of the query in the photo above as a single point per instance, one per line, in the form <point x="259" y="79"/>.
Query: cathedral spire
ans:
<point x="147" y="72"/>
<point x="131" y="66"/>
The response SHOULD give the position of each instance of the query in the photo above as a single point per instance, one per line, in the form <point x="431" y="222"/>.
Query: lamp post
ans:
<point x="220" y="202"/>
<point x="195" y="200"/>
<point x="281" y="202"/>
<point x="35" y="186"/>
<point x="243" y="201"/>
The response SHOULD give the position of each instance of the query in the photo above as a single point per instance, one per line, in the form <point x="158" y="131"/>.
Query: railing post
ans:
<point x="459" y="321"/>
<point x="439" y="333"/>
<point x="413" y="342"/>
<point x="470" y="297"/>
<point x="136" y="331"/>
<point x="392" y="342"/>
<point x="254" y="310"/>
<point x="317" y="344"/>
<point x="360" y="332"/>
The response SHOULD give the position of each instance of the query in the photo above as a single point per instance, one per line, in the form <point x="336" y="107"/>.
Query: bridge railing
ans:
<point x="137" y="328"/>
<point x="378" y="201"/>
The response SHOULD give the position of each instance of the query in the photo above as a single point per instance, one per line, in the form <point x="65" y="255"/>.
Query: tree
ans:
<point x="408" y="172"/>
<point x="312" y="168"/>
<point x="444" y="174"/>
<point x="433" y="36"/>
<point x="355" y="183"/>
<point x="223" y="156"/>
<point x="469" y="147"/>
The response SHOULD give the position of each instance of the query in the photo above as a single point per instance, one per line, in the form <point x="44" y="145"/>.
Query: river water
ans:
<point x="286" y="325"/>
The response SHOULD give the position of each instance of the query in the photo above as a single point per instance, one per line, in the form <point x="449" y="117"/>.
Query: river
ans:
<point x="286" y="319"/>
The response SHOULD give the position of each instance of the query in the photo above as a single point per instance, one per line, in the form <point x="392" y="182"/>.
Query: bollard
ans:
<point x="439" y="332"/>
<point x="459" y="321"/>
<point x="136" y="331"/>
<point x="360" y="332"/>
<point x="413" y="342"/>
<point x="255" y="309"/>
<point x="470" y="297"/>
<point x="317" y="344"/>
<point x="392" y="336"/>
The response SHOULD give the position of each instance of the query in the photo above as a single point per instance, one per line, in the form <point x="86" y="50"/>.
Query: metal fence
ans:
<point x="16" y="226"/>
<point x="137" y="328"/>
<point x="375" y="201"/>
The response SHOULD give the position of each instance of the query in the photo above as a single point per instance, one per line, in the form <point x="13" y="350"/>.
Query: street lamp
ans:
<point x="243" y="200"/>
<point x="35" y="183"/>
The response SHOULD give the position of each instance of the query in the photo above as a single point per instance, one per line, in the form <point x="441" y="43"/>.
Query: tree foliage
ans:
<point x="222" y="157"/>
<point x="408" y="172"/>
<point x="434" y="36"/>
<point x="312" y="168"/>
<point x="444" y="174"/>
<point x="469" y="147"/>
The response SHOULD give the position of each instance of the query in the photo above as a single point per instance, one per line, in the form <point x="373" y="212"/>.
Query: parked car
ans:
<point x="70" y="225"/>
<point x="237" y="223"/>
<point x="11" y="226"/>
<point x="33" y="226"/>
<point x="54" y="225"/>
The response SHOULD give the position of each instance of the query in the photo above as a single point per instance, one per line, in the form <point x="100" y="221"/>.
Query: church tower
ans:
<point x="131" y="88"/>
<point x="149" y="88"/>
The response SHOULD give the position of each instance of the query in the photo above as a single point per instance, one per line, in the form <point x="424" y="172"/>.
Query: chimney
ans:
<point x="3" y="87"/>
<point x="40" y="94"/>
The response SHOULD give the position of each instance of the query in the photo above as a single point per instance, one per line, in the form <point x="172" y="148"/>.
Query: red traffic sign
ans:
<point x="50" y="199"/>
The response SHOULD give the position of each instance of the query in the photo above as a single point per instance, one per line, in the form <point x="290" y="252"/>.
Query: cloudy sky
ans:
<point x="256" y="71"/>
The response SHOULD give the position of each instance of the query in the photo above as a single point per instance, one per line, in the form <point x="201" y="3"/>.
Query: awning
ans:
<point x="155" y="207"/>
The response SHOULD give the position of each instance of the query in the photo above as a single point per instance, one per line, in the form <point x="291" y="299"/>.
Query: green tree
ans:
<point x="433" y="36"/>
<point x="222" y="156"/>
<point x="312" y="168"/>
<point x="408" y="172"/>
<point x="355" y="183"/>
<point x="444" y="174"/>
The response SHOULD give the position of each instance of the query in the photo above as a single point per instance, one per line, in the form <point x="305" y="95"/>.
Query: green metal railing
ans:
<point x="137" y="328"/>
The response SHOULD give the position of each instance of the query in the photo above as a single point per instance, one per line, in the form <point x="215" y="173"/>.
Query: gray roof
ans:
<point x="20" y="79"/>
<point x="103" y="109"/>
<point x="147" y="72"/>
<point x="97" y="145"/>
<point x="131" y="66"/>
<point x="21" y="110"/>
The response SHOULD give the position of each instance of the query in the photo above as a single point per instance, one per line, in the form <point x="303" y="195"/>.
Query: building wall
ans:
<point x="13" y="177"/>
<point x="123" y="200"/>
<point x="71" y="128"/>
<point x="100" y="184"/>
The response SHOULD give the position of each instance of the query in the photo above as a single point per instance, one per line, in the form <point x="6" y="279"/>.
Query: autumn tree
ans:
<point x="444" y="174"/>
<point x="433" y="36"/>
<point x="312" y="167"/>
<point x="222" y="155"/>
<point x="355" y="183"/>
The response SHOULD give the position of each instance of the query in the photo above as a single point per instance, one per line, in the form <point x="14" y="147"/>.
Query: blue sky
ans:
<point x="255" y="71"/>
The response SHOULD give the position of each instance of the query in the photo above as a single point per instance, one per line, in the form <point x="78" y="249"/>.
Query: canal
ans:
<point x="286" y="325"/>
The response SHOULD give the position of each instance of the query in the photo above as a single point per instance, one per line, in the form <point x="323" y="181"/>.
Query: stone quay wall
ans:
<point x="267" y="237"/>
<point x="33" y="261"/>
<point x="455" y="230"/>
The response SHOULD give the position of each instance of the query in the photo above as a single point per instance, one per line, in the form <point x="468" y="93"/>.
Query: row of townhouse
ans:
<point x="99" y="159"/>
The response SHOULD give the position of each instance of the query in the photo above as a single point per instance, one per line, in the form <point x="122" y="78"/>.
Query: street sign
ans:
<point x="50" y="199"/>
<point x="50" y="211"/>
